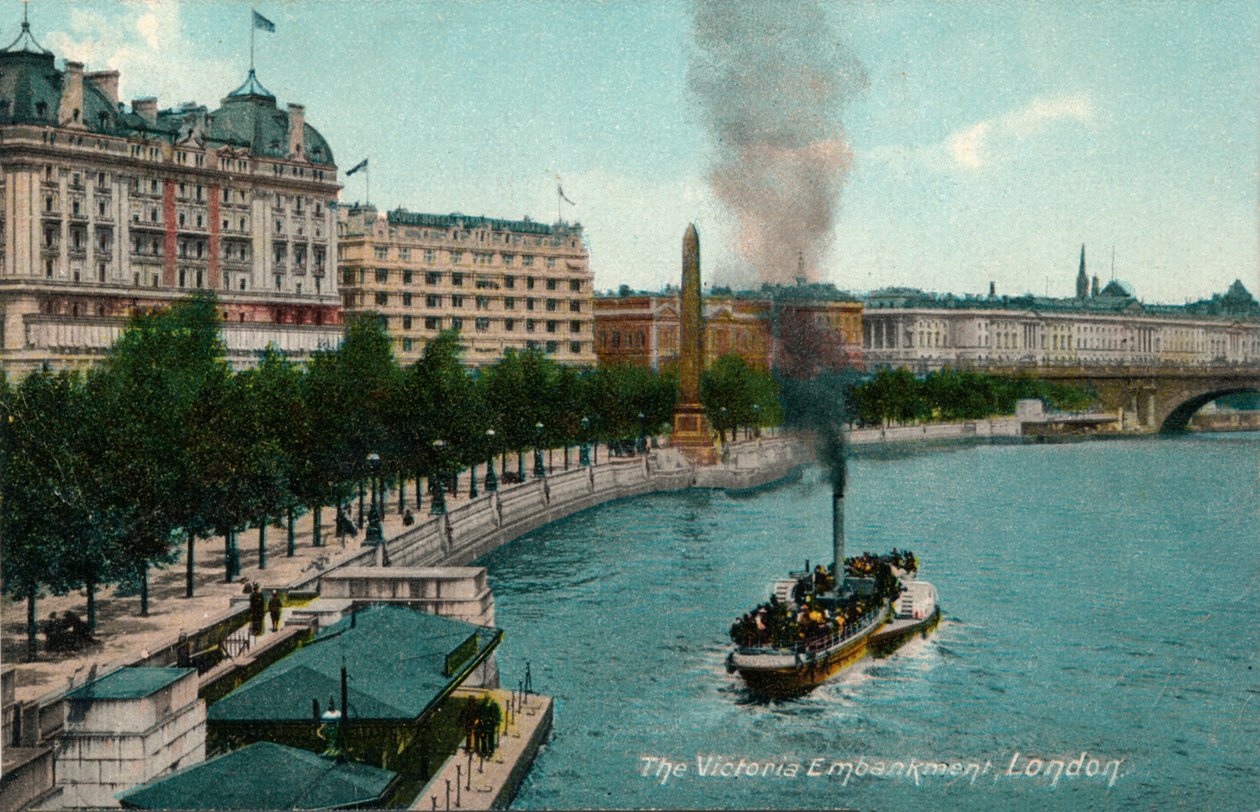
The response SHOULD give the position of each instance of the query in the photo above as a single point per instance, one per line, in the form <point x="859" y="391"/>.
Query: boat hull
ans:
<point x="788" y="675"/>
<point x="893" y="636"/>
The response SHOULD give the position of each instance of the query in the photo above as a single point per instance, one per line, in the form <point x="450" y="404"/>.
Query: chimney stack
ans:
<point x="70" y="114"/>
<point x="106" y="81"/>
<point x="297" y="130"/>
<point x="146" y="108"/>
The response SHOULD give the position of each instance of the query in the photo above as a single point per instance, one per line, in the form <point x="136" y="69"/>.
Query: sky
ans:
<point x="973" y="142"/>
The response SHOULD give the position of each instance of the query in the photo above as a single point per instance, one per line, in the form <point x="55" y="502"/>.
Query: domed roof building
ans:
<point x="109" y="208"/>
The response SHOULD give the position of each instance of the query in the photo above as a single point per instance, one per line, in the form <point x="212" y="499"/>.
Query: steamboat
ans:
<point x="819" y="622"/>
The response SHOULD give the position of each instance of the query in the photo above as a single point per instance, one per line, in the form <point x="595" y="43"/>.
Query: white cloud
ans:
<point x="147" y="45"/>
<point x="986" y="142"/>
<point x="966" y="147"/>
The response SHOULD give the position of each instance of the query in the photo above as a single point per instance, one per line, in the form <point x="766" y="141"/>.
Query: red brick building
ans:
<point x="643" y="329"/>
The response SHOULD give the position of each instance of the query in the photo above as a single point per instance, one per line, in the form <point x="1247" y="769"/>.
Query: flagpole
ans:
<point x="367" y="178"/>
<point x="252" y="26"/>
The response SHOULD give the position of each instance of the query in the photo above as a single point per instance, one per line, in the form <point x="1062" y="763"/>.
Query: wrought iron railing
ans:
<point x="816" y="644"/>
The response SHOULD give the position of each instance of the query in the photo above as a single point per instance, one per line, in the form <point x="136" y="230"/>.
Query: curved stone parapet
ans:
<point x="477" y="527"/>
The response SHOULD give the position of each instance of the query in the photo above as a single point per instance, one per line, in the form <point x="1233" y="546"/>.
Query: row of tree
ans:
<point x="949" y="394"/>
<point x="108" y="474"/>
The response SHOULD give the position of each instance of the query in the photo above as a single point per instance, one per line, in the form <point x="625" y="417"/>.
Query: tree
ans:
<point x="615" y="396"/>
<point x="49" y="540"/>
<point x="346" y="395"/>
<point x="730" y="389"/>
<point x="238" y="462"/>
<point x="149" y="386"/>
<point x="443" y="402"/>
<point x="518" y="390"/>
<point x="274" y="393"/>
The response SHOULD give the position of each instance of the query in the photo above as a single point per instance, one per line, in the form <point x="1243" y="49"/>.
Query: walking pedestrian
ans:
<point x="257" y="611"/>
<point x="273" y="608"/>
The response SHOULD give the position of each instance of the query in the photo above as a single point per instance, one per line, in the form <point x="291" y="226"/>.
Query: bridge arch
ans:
<point x="1178" y="417"/>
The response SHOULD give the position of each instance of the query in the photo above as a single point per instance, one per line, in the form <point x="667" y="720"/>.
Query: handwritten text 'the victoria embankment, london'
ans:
<point x="1016" y="766"/>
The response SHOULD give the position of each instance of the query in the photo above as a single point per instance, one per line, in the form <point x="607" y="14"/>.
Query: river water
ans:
<point x="1100" y="598"/>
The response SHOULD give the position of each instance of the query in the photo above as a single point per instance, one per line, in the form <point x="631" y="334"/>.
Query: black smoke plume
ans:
<point x="820" y="405"/>
<point x="772" y="79"/>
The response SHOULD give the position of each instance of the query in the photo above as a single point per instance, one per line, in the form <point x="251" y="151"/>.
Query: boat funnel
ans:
<point x="837" y="520"/>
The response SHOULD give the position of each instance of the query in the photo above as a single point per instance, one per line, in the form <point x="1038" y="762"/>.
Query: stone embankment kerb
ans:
<point x="481" y="525"/>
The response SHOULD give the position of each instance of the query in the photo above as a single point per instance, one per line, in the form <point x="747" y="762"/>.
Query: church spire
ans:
<point x="1082" y="281"/>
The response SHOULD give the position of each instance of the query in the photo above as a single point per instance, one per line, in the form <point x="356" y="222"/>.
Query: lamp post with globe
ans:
<point x="540" y="470"/>
<point x="492" y="481"/>
<point x="437" y="505"/>
<point x="375" y="535"/>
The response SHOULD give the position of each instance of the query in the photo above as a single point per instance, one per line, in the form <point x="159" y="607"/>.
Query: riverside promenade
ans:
<point x="469" y="529"/>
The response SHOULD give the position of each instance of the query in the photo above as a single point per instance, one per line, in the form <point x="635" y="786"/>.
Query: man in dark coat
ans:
<point x="257" y="611"/>
<point x="273" y="608"/>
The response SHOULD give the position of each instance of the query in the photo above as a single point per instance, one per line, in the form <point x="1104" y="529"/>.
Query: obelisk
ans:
<point x="692" y="434"/>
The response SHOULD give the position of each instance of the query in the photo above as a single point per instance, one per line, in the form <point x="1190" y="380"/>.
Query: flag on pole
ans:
<point x="360" y="165"/>
<point x="560" y="192"/>
<point x="263" y="23"/>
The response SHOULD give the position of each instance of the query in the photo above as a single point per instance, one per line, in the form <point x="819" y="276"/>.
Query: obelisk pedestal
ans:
<point x="693" y="435"/>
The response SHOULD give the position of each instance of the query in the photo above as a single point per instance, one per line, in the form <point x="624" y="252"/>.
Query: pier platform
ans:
<point x="492" y="784"/>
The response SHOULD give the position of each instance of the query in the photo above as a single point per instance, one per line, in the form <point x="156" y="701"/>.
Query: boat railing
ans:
<point x="817" y="644"/>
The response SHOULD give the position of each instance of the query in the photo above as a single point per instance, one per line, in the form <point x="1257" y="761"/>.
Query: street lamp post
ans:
<point x="437" y="505"/>
<point x="642" y="447"/>
<point x="492" y="482"/>
<point x="584" y="454"/>
<point x="374" y="533"/>
<point x="722" y="423"/>
<point x="540" y="470"/>
<point x="757" y="420"/>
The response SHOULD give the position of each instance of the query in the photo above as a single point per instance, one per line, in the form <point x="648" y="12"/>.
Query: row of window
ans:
<point x="549" y="347"/>
<point x="433" y="300"/>
<point x="457" y="279"/>
<point x="483" y="325"/>
<point x="185" y="278"/>
<point x="431" y="257"/>
<point x="194" y="192"/>
<point x="480" y="236"/>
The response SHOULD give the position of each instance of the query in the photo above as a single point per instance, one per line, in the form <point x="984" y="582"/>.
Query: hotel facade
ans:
<point x="108" y="209"/>
<point x="503" y="284"/>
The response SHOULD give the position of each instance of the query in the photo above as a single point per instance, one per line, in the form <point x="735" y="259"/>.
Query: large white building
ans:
<point x="107" y="209"/>
<point x="925" y="331"/>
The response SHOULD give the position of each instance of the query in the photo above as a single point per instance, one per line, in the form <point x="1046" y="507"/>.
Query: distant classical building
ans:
<point x="925" y="331"/>
<point x="109" y="209"/>
<point x="762" y="327"/>
<point x="503" y="284"/>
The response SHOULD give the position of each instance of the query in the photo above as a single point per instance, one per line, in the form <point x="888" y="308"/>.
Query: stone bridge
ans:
<point x="1155" y="398"/>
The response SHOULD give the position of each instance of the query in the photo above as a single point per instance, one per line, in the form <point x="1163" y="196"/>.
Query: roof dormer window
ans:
<point x="41" y="109"/>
